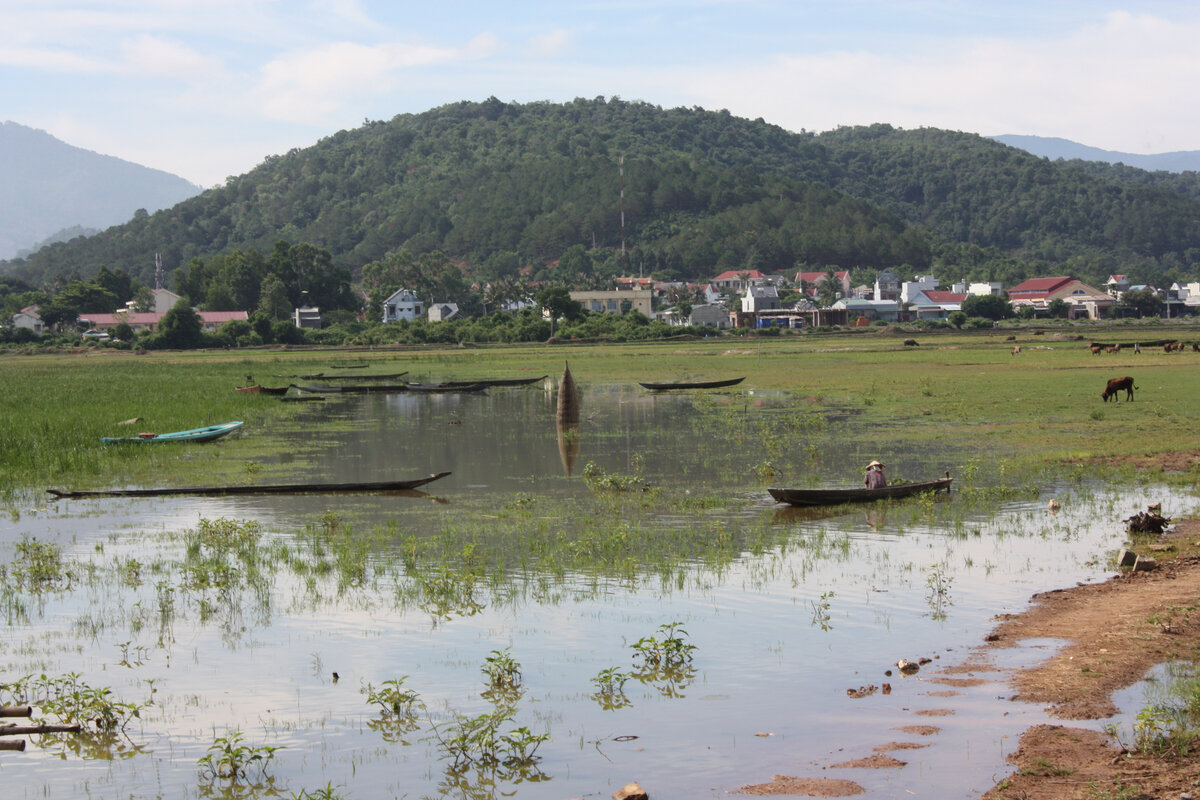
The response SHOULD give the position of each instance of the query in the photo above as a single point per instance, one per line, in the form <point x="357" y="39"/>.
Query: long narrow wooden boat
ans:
<point x="321" y="376"/>
<point x="498" y="381"/>
<point x="668" y="387"/>
<point x="354" y="388"/>
<point x="833" y="497"/>
<point x="259" y="389"/>
<point x="205" y="434"/>
<point x="436" y="388"/>
<point x="302" y="488"/>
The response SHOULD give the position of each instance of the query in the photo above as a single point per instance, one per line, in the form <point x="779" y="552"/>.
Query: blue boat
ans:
<point x="206" y="434"/>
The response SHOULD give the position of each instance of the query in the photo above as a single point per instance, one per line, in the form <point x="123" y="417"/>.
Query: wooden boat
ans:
<point x="832" y="497"/>
<point x="257" y="389"/>
<point x="302" y="488"/>
<point x="354" y="388"/>
<point x="447" y="387"/>
<point x="668" y="387"/>
<point x="205" y="434"/>
<point x="498" y="381"/>
<point x="321" y="376"/>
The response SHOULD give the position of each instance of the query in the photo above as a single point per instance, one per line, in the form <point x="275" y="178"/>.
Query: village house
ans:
<point x="887" y="286"/>
<point x="444" y="312"/>
<point x="812" y="280"/>
<point x="402" y="305"/>
<point x="1082" y="301"/>
<point x="738" y="280"/>
<point x="616" y="302"/>
<point x="307" y="316"/>
<point x="139" y="321"/>
<point x="760" y="298"/>
<point x="715" y="315"/>
<point x="871" y="310"/>
<point x="936" y="304"/>
<point x="29" y="319"/>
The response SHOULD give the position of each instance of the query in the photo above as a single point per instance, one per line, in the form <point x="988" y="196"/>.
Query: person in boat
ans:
<point x="874" y="478"/>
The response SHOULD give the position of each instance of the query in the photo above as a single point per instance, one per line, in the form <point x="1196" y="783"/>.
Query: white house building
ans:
<point x="444" y="312"/>
<point x="29" y="319"/>
<point x="760" y="298"/>
<point x="402" y="304"/>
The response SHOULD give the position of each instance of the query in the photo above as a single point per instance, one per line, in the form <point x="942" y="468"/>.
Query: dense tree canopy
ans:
<point x="495" y="187"/>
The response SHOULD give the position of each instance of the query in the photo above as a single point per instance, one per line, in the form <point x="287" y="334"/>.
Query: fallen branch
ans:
<point x="22" y="730"/>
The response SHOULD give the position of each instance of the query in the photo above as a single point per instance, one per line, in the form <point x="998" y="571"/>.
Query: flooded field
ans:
<point x="563" y="614"/>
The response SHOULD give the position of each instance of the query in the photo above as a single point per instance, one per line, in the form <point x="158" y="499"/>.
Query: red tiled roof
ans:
<point x="732" y="274"/>
<point x="152" y="318"/>
<point x="1038" y="287"/>
<point x="946" y="297"/>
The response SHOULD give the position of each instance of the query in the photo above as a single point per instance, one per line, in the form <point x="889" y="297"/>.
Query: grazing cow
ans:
<point x="1137" y="347"/>
<point x="1115" y="386"/>
<point x="1195" y="347"/>
<point x="911" y="343"/>
<point x="1110" y="349"/>
<point x="1096" y="349"/>
<point x="1016" y="350"/>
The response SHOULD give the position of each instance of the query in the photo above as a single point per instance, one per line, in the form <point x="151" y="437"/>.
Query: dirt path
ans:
<point x="1114" y="632"/>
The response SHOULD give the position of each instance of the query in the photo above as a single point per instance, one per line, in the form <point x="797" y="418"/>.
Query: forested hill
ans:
<point x="704" y="191"/>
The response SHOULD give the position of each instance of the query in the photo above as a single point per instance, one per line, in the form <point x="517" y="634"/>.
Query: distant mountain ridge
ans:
<point x="498" y="187"/>
<point x="1054" y="148"/>
<point x="47" y="185"/>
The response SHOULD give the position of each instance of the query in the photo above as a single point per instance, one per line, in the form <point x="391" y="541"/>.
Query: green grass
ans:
<point x="1037" y="408"/>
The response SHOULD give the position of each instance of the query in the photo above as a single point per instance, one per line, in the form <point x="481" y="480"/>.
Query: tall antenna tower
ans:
<point x="158" y="276"/>
<point x="621" y="166"/>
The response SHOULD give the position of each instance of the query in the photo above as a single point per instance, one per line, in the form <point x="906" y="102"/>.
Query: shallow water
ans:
<point x="808" y="607"/>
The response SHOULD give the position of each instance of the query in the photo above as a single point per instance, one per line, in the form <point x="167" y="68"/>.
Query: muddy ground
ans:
<point x="1114" y="632"/>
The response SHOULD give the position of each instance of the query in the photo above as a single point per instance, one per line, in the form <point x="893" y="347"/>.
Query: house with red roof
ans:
<point x="811" y="280"/>
<point x="149" y="320"/>
<point x="1083" y="301"/>
<point x="1117" y="285"/>
<point x="934" y="303"/>
<point x="29" y="319"/>
<point x="738" y="280"/>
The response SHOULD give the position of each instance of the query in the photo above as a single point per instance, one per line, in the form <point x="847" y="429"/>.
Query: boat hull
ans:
<point x="205" y="434"/>
<point x="834" y="497"/>
<point x="670" y="387"/>
<point x="307" y="488"/>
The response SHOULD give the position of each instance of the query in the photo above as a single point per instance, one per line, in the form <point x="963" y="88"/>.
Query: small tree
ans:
<point x="181" y="328"/>
<point x="988" y="306"/>
<point x="957" y="318"/>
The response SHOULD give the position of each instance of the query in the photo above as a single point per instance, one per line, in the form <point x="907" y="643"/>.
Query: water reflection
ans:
<point x="568" y="445"/>
<point x="781" y="614"/>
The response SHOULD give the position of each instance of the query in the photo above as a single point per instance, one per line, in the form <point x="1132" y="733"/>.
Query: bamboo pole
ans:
<point x="16" y="711"/>
<point x="15" y="744"/>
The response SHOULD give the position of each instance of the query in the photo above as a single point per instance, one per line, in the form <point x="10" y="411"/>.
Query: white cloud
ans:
<point x="553" y="43"/>
<point x="1108" y="85"/>
<point x="154" y="56"/>
<point x="303" y="84"/>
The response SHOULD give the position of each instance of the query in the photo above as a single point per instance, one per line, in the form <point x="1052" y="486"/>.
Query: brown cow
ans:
<point x="1016" y="350"/>
<point x="1096" y="349"/>
<point x="1115" y="386"/>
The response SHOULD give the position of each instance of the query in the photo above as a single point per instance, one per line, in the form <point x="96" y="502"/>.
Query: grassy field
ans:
<point x="1042" y="404"/>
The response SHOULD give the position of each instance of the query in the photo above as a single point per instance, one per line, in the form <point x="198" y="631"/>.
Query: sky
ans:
<point x="207" y="89"/>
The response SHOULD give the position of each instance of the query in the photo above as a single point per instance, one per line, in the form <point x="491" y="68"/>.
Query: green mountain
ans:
<point x="700" y="191"/>
<point x="50" y="190"/>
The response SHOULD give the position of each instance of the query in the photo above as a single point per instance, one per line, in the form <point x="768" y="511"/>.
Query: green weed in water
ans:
<point x="229" y="759"/>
